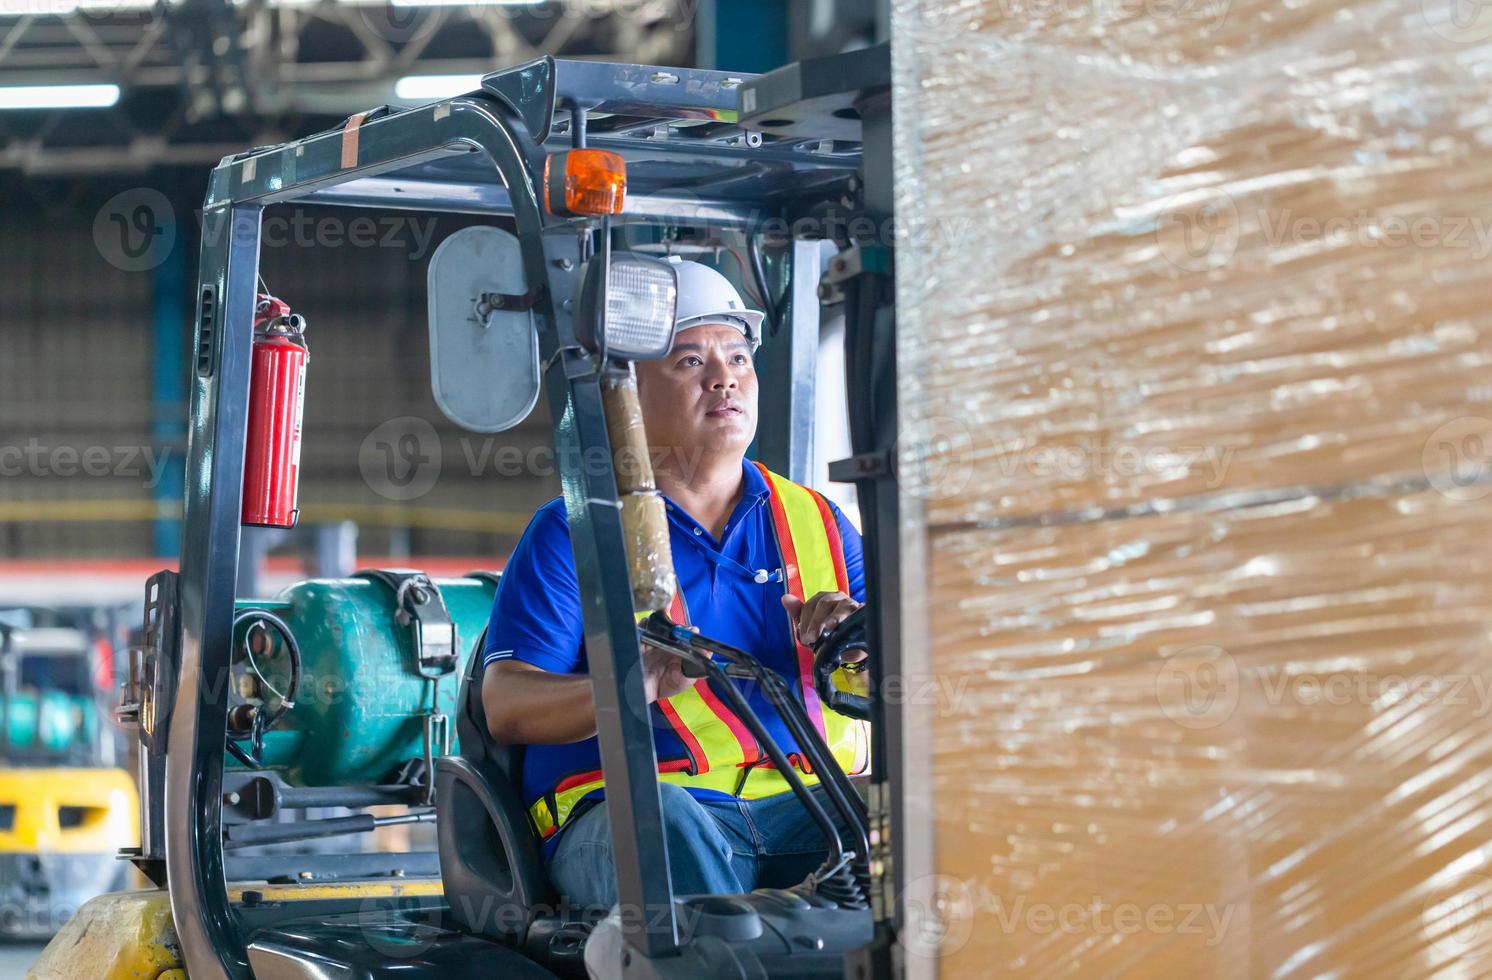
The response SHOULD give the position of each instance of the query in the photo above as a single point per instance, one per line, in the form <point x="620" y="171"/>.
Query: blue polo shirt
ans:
<point x="536" y="615"/>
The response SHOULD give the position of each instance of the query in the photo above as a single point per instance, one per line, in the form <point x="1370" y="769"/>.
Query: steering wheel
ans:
<point x="829" y="654"/>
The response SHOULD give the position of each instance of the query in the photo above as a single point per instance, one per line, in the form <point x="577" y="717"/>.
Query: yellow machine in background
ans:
<point x="63" y="815"/>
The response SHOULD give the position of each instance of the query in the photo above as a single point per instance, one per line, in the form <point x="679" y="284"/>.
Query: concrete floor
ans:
<point x="16" y="958"/>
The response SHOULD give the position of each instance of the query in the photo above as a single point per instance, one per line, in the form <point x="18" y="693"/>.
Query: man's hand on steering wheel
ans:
<point x="816" y="618"/>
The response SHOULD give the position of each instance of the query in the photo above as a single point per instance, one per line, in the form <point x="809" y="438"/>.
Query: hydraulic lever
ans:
<point x="699" y="653"/>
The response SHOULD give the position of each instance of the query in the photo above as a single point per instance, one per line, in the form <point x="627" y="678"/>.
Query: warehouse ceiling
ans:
<point x="198" y="79"/>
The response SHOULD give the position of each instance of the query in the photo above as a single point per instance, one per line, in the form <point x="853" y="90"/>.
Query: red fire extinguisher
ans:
<point x="277" y="397"/>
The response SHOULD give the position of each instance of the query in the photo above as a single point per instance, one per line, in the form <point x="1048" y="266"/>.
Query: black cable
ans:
<point x="759" y="273"/>
<point x="287" y="700"/>
<point x="235" y="750"/>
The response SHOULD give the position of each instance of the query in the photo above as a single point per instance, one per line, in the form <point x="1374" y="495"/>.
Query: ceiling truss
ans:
<point x="203" y="78"/>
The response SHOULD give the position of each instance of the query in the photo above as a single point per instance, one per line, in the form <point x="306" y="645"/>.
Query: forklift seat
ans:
<point x="496" y="883"/>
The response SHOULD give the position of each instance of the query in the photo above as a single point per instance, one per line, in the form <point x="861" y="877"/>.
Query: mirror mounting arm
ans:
<point x="490" y="303"/>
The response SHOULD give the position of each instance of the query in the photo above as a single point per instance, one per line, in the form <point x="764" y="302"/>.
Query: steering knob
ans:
<point x="829" y="656"/>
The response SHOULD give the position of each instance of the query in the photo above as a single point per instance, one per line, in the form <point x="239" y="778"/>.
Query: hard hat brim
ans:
<point x="752" y="319"/>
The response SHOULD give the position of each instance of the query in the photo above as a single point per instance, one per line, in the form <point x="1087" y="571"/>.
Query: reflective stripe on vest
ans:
<point x="722" y="754"/>
<point x="813" y="562"/>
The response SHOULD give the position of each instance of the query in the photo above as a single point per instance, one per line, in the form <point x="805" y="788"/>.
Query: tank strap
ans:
<point x="420" y="606"/>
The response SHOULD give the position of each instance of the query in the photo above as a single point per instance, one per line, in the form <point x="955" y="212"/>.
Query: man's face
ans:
<point x="701" y="397"/>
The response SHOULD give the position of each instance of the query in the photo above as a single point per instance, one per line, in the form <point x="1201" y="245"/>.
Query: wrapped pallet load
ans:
<point x="1195" y="333"/>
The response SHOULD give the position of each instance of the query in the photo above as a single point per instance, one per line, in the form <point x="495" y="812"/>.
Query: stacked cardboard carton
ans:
<point x="1195" y="312"/>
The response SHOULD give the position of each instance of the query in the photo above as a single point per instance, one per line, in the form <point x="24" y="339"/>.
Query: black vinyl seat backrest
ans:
<point x="475" y="737"/>
<point x="495" y="880"/>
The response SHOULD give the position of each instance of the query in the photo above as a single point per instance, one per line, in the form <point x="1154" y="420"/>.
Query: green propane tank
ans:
<point x="360" y="709"/>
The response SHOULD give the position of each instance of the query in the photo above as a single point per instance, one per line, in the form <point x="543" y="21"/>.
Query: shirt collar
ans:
<point x="754" y="485"/>
<point x="754" y="490"/>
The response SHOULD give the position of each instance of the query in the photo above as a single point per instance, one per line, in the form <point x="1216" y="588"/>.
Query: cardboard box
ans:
<point x="1195" y="322"/>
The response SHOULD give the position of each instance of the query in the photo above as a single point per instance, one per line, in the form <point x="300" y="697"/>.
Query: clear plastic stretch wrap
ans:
<point x="1195" y="328"/>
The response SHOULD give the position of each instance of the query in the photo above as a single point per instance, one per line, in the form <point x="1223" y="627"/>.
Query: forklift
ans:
<point x="65" y="808"/>
<point x="363" y="693"/>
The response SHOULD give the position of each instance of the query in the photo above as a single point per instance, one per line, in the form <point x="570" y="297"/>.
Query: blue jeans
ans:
<point x="716" y="847"/>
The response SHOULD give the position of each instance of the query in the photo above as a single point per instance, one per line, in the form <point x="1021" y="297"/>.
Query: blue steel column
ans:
<point x="168" y="430"/>
<point x="742" y="35"/>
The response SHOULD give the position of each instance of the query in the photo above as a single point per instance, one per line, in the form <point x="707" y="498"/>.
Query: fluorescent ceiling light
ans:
<point x="56" y="8"/>
<point x="43" y="8"/>
<point x="58" y="96"/>
<point x="435" y="86"/>
<point x="462" y="3"/>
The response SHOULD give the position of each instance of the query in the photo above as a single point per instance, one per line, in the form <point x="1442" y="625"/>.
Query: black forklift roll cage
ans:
<point x="703" y="148"/>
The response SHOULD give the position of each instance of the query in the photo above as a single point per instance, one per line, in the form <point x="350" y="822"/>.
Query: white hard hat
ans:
<point x="705" y="296"/>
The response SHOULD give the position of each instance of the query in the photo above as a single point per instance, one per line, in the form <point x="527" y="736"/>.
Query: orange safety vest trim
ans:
<point x="722" y="753"/>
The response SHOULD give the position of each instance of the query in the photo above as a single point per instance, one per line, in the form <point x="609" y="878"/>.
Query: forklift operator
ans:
<point x="762" y="564"/>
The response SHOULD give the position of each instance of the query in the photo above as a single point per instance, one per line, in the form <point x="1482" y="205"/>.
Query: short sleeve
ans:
<point x="854" y="552"/>
<point x="536" y="615"/>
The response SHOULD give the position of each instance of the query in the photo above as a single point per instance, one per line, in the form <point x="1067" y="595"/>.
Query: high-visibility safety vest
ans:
<point x="721" y="753"/>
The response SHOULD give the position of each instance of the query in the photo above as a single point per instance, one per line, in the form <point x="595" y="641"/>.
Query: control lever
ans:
<point x="659" y="625"/>
<point x="845" y="870"/>
<point x="829" y="657"/>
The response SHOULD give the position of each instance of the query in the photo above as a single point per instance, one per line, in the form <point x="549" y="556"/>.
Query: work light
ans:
<point x="635" y="321"/>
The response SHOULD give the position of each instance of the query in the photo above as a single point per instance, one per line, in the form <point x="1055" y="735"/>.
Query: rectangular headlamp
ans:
<point x="634" y="319"/>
